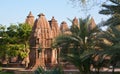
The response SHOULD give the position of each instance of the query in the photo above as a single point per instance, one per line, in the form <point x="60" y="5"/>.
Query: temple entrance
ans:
<point x="48" y="56"/>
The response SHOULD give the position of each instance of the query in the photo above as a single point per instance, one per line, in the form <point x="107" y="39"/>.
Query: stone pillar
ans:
<point x="54" y="57"/>
<point x="43" y="57"/>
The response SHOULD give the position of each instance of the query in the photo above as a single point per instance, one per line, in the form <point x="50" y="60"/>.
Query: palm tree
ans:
<point x="77" y="47"/>
<point x="111" y="47"/>
<point x="112" y="9"/>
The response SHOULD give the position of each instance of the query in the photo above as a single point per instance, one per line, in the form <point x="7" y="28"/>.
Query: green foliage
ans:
<point x="111" y="49"/>
<point x="112" y="9"/>
<point x="113" y="36"/>
<point x="24" y="31"/>
<point x="55" y="70"/>
<point x="14" y="40"/>
<point x="2" y="28"/>
<point x="4" y="50"/>
<point x="40" y="70"/>
<point x="13" y="50"/>
<point x="12" y="30"/>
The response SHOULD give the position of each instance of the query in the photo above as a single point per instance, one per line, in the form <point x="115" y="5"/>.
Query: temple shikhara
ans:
<point x="42" y="35"/>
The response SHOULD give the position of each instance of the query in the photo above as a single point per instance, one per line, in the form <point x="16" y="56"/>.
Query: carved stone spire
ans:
<point x="42" y="31"/>
<point x="30" y="14"/>
<point x="92" y="24"/>
<point x="75" y="21"/>
<point x="41" y="36"/>
<point x="64" y="27"/>
<point x="30" y="19"/>
<point x="54" y="27"/>
<point x="41" y="14"/>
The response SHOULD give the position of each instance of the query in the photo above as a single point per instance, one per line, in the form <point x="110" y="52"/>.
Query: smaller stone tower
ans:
<point x="64" y="27"/>
<point x="92" y="24"/>
<point x="30" y="19"/>
<point x="75" y="22"/>
<point x="54" y="27"/>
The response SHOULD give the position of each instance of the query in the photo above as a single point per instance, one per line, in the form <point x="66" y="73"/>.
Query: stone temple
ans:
<point x="42" y="35"/>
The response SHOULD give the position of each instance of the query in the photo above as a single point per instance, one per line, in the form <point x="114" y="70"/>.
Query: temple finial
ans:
<point x="41" y="14"/>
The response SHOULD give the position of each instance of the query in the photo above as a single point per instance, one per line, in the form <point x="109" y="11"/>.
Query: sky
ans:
<point x="15" y="11"/>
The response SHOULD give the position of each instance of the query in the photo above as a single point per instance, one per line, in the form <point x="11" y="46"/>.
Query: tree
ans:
<point x="87" y="4"/>
<point x="111" y="47"/>
<point x="2" y="33"/>
<point x="14" y="40"/>
<point x="2" y="28"/>
<point x="112" y="9"/>
<point x="12" y="33"/>
<point x="3" y="43"/>
<point x="24" y="31"/>
<point x="78" y="46"/>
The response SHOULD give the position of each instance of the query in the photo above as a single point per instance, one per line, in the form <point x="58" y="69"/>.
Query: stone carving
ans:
<point x="75" y="22"/>
<point x="30" y="19"/>
<point x="43" y="32"/>
<point x="42" y="35"/>
<point x="64" y="27"/>
<point x="54" y="27"/>
<point x="55" y="33"/>
<point x="92" y="24"/>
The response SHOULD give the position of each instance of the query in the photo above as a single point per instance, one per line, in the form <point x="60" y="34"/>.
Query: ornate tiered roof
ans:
<point x="42" y="32"/>
<point x="54" y="27"/>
